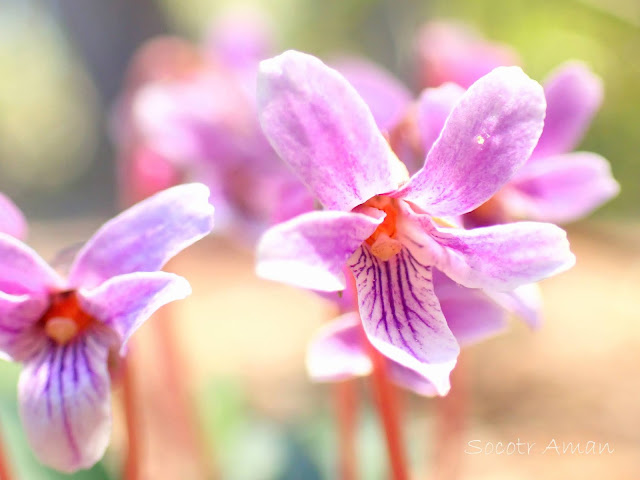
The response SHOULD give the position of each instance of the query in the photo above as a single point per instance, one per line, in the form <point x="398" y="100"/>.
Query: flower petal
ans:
<point x="500" y="257"/>
<point x="411" y="380"/>
<point x="401" y="314"/>
<point x="337" y="351"/>
<point x="19" y="338"/>
<point x="12" y="221"/>
<point x="64" y="403"/>
<point x="319" y="125"/>
<point x="144" y="237"/>
<point x="561" y="188"/>
<point x="524" y="301"/>
<point x="489" y="135"/>
<point x="22" y="270"/>
<point x="387" y="98"/>
<point x="310" y="250"/>
<point x="471" y="315"/>
<point x="434" y="107"/>
<point x="574" y="94"/>
<point x="125" y="302"/>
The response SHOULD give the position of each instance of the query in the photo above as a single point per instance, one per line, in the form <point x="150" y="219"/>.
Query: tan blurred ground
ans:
<point x="576" y="379"/>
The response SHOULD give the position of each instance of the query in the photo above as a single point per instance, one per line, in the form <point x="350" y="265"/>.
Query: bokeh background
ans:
<point x="62" y="64"/>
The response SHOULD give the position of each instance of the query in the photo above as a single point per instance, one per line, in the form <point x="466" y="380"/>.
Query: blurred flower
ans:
<point x="554" y="185"/>
<point x="12" y="221"/>
<point x="387" y="227"/>
<point x="453" y="52"/>
<point x="189" y="114"/>
<point x="64" y="330"/>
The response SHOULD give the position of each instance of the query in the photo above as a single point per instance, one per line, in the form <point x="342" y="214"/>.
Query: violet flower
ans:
<point x="12" y="221"/>
<point x="388" y="228"/>
<point x="338" y="351"/>
<point x="202" y="121"/>
<point x="64" y="330"/>
<point x="454" y="52"/>
<point x="555" y="184"/>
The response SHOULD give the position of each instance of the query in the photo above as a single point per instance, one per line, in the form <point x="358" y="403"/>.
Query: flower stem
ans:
<point x="5" y="472"/>
<point x="451" y="424"/>
<point x="175" y="368"/>
<point x="346" y="407"/>
<point x="387" y="403"/>
<point x="131" y="470"/>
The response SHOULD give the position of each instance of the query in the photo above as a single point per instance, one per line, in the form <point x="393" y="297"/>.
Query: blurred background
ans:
<point x="62" y="65"/>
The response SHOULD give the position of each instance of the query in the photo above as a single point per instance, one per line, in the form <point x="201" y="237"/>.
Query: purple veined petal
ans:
<point x="489" y="135"/>
<point x="401" y="314"/>
<point x="318" y="124"/>
<point x="524" y="302"/>
<point x="561" y="188"/>
<point x="19" y="315"/>
<point x="311" y="250"/>
<point x="387" y="98"/>
<point x="574" y="94"/>
<point x="337" y="351"/>
<point x="500" y="257"/>
<point x="434" y="107"/>
<point x="12" y="222"/>
<point x="22" y="270"/>
<point x="144" y="237"/>
<point x="471" y="315"/>
<point x="64" y="402"/>
<point x="125" y="302"/>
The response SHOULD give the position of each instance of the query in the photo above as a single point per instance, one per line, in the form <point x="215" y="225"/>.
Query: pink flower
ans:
<point x="389" y="228"/>
<point x="63" y="330"/>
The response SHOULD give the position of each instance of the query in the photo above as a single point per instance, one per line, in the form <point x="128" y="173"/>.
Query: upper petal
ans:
<point x="401" y="314"/>
<point x="434" y="107"/>
<point x="337" y="350"/>
<point x="12" y="221"/>
<point x="22" y="270"/>
<point x="20" y="337"/>
<point x="561" y="188"/>
<point x="64" y="403"/>
<point x="387" y="98"/>
<point x="144" y="237"/>
<point x="310" y="250"/>
<point x="319" y="125"/>
<point x="500" y="257"/>
<point x="125" y="302"/>
<point x="574" y="94"/>
<point x="489" y="135"/>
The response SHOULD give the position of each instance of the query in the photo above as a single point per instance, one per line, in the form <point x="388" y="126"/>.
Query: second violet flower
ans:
<point x="389" y="229"/>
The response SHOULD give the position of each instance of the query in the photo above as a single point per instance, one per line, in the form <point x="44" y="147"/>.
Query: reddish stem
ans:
<point x="387" y="403"/>
<point x="132" y="460"/>
<point x="451" y="425"/>
<point x="175" y="367"/>
<point x="5" y="471"/>
<point x="346" y="407"/>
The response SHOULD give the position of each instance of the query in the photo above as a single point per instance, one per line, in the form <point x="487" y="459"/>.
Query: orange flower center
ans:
<point x="383" y="241"/>
<point x="65" y="319"/>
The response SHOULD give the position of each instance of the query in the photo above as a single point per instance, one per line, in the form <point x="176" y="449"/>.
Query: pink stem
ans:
<point x="346" y="407"/>
<point x="132" y="460"/>
<point x="5" y="471"/>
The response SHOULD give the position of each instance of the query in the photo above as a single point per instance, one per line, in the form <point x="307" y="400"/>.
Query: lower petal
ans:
<point x="65" y="403"/>
<point x="338" y="352"/>
<point x="471" y="314"/>
<point x="401" y="314"/>
<point x="524" y="302"/>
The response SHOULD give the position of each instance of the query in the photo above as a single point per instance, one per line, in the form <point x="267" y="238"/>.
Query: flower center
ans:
<point x="383" y="241"/>
<point x="65" y="319"/>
